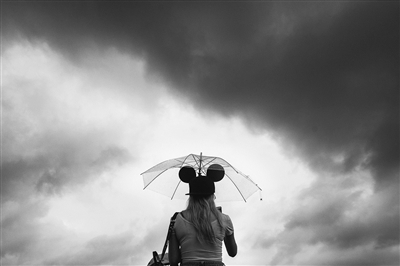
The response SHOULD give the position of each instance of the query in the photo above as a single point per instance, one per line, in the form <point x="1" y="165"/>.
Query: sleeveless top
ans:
<point x="194" y="250"/>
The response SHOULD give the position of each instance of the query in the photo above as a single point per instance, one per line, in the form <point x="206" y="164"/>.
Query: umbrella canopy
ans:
<point x="163" y="178"/>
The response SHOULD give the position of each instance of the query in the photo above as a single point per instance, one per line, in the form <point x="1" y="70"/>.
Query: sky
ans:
<point x="302" y="96"/>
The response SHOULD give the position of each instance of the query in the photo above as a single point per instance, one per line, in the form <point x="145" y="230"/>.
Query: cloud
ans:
<point x="49" y="142"/>
<point x="101" y="250"/>
<point x="71" y="169"/>
<point x="123" y="248"/>
<point x="19" y="231"/>
<point x="340" y="216"/>
<point x="49" y="149"/>
<point x="61" y="161"/>
<point x="321" y="76"/>
<point x="343" y="221"/>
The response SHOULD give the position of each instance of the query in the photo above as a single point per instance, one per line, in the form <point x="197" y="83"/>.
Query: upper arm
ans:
<point x="230" y="245"/>
<point x="174" y="253"/>
<point x="229" y="240"/>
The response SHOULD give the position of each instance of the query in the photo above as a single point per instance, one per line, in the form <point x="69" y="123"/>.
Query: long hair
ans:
<point x="201" y="210"/>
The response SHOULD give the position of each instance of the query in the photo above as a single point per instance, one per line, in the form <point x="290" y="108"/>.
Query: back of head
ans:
<point x="201" y="205"/>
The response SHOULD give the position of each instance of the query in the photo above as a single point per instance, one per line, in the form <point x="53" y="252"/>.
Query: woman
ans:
<point x="200" y="229"/>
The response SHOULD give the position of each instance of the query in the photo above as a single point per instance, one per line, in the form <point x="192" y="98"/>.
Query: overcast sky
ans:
<point x="302" y="96"/>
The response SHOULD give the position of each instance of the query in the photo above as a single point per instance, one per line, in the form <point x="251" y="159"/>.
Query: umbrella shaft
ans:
<point x="200" y="163"/>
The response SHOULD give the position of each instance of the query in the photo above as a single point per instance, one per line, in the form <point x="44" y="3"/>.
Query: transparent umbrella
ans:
<point x="163" y="178"/>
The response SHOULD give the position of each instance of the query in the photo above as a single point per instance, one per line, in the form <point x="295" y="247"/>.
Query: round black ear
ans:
<point x="216" y="172"/>
<point x="187" y="173"/>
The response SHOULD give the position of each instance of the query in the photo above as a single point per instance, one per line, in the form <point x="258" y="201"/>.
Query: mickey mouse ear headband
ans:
<point x="215" y="171"/>
<point x="202" y="185"/>
<point x="186" y="174"/>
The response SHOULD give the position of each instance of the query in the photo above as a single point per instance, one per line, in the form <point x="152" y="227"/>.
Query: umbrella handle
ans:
<point x="200" y="163"/>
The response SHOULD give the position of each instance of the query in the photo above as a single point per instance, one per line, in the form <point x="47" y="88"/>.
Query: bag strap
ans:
<point x="170" y="228"/>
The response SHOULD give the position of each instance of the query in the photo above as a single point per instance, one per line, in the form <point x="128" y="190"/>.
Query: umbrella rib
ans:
<point x="176" y="188"/>
<point x="154" y="178"/>
<point x="228" y="164"/>
<point x="197" y="163"/>
<point x="236" y="187"/>
<point x="155" y="166"/>
<point x="211" y="161"/>
<point x="194" y="158"/>
<point x="249" y="179"/>
<point x="186" y="159"/>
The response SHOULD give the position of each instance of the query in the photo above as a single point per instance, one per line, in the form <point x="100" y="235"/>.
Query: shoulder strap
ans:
<point x="170" y="228"/>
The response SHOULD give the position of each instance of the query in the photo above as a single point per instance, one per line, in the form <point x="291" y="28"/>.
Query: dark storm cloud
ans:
<point x="323" y="76"/>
